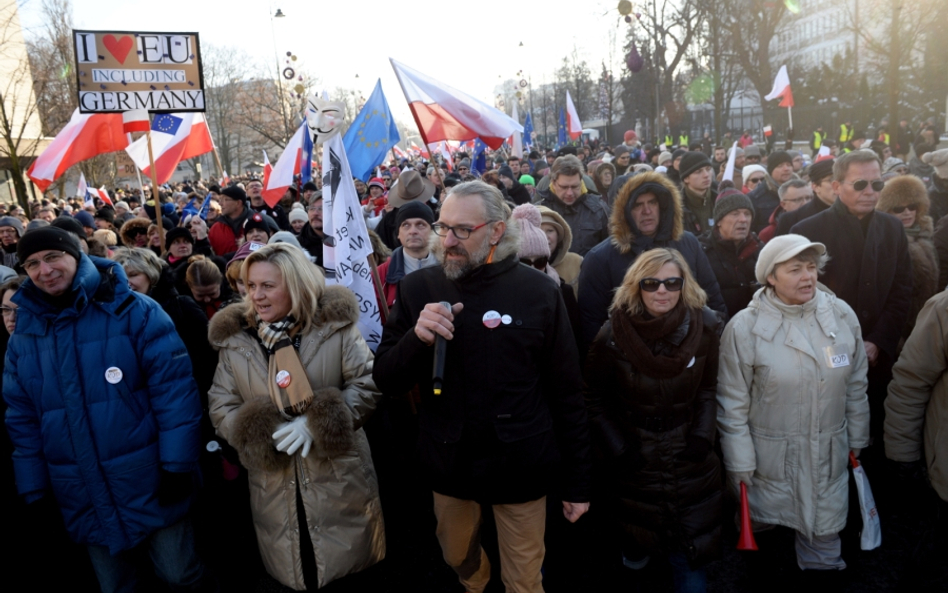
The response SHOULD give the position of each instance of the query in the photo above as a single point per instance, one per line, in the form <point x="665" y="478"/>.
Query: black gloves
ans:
<point x="174" y="487"/>
<point x="696" y="449"/>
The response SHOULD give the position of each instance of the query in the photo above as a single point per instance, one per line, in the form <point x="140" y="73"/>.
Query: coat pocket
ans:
<point x="771" y="453"/>
<point x="839" y="452"/>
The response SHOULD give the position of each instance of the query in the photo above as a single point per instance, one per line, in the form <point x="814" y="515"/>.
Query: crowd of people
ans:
<point x="619" y="331"/>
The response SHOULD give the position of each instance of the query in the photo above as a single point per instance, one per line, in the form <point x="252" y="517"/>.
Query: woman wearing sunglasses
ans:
<point x="792" y="402"/>
<point x="906" y="198"/>
<point x="651" y="380"/>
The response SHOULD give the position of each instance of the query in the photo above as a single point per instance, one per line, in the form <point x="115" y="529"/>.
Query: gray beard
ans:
<point x="456" y="269"/>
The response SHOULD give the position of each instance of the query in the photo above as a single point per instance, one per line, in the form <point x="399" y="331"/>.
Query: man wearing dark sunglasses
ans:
<point x="869" y="268"/>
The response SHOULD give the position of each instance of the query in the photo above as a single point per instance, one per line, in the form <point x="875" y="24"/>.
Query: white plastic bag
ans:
<point x="871" y="528"/>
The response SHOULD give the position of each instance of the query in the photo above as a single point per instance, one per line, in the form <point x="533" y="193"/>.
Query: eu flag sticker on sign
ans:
<point x="166" y="123"/>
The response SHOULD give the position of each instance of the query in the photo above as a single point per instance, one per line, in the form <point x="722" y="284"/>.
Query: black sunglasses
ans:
<point x="673" y="284"/>
<point x="862" y="184"/>
<point x="538" y="263"/>
<point x="901" y="209"/>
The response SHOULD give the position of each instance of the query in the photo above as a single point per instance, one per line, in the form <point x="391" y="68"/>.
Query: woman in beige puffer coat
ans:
<point x="792" y="400"/>
<point x="336" y="482"/>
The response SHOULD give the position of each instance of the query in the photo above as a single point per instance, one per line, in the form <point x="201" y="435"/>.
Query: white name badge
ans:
<point x="836" y="356"/>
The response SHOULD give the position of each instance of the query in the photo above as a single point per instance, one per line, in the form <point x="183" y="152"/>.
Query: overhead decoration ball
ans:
<point x="293" y="58"/>
<point x="289" y="53"/>
<point x="523" y="83"/>
<point x="289" y="73"/>
<point x="634" y="60"/>
<point x="299" y="88"/>
<point x="625" y="7"/>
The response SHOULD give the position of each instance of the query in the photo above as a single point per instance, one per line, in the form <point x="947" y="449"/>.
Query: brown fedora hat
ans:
<point x="411" y="186"/>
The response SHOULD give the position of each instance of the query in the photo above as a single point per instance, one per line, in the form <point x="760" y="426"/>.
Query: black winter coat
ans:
<point x="872" y="274"/>
<point x="587" y="217"/>
<point x="765" y="201"/>
<point x="938" y="197"/>
<point x="518" y="193"/>
<point x="510" y="425"/>
<point x="669" y="503"/>
<point x="734" y="266"/>
<point x="788" y="219"/>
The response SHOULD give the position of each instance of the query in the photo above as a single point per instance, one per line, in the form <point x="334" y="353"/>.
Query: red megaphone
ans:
<point x="746" y="539"/>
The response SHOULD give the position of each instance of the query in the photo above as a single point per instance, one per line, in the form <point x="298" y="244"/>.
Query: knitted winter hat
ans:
<point x="47" y="239"/>
<point x="527" y="180"/>
<point x="15" y="223"/>
<point x="298" y="214"/>
<point x="533" y="241"/>
<point x="664" y="157"/>
<point x="178" y="232"/>
<point x="256" y="221"/>
<point x="691" y="162"/>
<point x="939" y="160"/>
<point x="730" y="200"/>
<point x="507" y="172"/>
<point x="85" y="219"/>
<point x="776" y="159"/>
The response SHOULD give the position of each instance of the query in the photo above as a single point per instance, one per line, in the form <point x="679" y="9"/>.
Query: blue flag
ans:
<point x="306" y="157"/>
<point x="206" y="206"/>
<point x="189" y="209"/>
<point x="166" y="123"/>
<point x="528" y="132"/>
<point x="479" y="162"/>
<point x="371" y="136"/>
<point x="561" y="131"/>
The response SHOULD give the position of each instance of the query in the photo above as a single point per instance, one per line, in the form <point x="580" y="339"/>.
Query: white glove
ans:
<point x="735" y="479"/>
<point x="294" y="434"/>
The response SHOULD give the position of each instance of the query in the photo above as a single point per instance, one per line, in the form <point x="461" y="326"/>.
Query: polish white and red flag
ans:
<point x="781" y="89"/>
<point x="85" y="136"/>
<point x="280" y="176"/>
<point x="445" y="113"/>
<point x="399" y="152"/>
<point x="419" y="150"/>
<point x="104" y="196"/>
<point x="573" y="126"/>
<point x="175" y="137"/>
<point x="135" y="120"/>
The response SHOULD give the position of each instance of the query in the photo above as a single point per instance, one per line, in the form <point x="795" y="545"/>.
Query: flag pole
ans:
<point x="379" y="293"/>
<point x="790" y="115"/>
<point x="141" y="186"/>
<point x="154" y="190"/>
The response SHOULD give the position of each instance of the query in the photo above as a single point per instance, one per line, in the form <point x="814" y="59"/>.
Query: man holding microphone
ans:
<point x="509" y="426"/>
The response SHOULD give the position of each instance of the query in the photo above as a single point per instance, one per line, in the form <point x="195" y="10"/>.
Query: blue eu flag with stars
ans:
<point x="528" y="131"/>
<point x="479" y="162"/>
<point x="371" y="136"/>
<point x="166" y="123"/>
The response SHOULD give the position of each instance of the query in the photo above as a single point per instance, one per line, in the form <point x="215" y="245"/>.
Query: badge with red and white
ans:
<point x="283" y="379"/>
<point x="491" y="319"/>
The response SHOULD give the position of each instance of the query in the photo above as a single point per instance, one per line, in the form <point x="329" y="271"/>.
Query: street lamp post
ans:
<point x="279" y="15"/>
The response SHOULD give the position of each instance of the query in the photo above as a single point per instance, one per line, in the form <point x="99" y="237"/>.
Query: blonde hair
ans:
<point x="107" y="237"/>
<point x="141" y="260"/>
<point x="233" y="273"/>
<point x="302" y="279"/>
<point x="202" y="272"/>
<point x="629" y="296"/>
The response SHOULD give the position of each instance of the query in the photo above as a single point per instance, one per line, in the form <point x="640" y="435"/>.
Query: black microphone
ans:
<point x="441" y="346"/>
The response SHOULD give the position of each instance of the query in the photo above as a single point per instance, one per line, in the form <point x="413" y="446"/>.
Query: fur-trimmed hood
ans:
<point x="670" y="225"/>
<point x="338" y="307"/>
<point x="902" y="191"/>
<point x="131" y="225"/>
<point x="566" y="237"/>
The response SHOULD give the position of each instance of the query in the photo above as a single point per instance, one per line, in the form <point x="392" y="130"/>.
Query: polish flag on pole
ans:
<point x="445" y="113"/>
<point x="267" y="168"/>
<point x="573" y="126"/>
<point x="175" y="137"/>
<point x="419" y="150"/>
<point x="516" y="144"/>
<point x="82" y="190"/>
<point x="399" y="152"/>
<point x="281" y="175"/>
<point x="104" y="196"/>
<point x="781" y="89"/>
<point x="85" y="136"/>
<point x="135" y="120"/>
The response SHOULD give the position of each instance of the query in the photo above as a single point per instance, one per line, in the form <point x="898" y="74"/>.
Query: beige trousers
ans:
<point x="520" y="531"/>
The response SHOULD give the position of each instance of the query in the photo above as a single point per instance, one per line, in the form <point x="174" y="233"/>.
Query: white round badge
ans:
<point x="283" y="379"/>
<point x="491" y="319"/>
<point x="506" y="319"/>
<point x="113" y="375"/>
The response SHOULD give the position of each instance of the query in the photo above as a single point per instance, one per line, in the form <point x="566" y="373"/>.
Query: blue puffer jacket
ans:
<point x="99" y="446"/>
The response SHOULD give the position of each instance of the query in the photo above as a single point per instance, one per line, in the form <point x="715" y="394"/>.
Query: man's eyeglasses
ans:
<point x="673" y="284"/>
<point x="8" y="312"/>
<point x="901" y="209"/>
<point x="861" y="184"/>
<point x="462" y="169"/>
<point x="539" y="263"/>
<point x="461" y="233"/>
<point x="50" y="258"/>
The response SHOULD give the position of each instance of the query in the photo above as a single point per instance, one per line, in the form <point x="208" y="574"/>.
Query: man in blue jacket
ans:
<point x="103" y="412"/>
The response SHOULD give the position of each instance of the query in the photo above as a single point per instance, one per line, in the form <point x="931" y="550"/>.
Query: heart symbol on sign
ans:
<point x="118" y="47"/>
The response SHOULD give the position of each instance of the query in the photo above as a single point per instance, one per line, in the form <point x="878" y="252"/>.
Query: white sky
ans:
<point x="472" y="46"/>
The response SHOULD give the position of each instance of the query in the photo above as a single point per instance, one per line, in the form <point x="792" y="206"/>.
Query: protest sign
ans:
<point x="119" y="71"/>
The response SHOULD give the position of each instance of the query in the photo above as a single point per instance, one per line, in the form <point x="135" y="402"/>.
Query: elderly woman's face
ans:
<point x="552" y="236"/>
<point x="794" y="281"/>
<point x="9" y="311"/>
<point x="662" y="300"/>
<point x="137" y="281"/>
